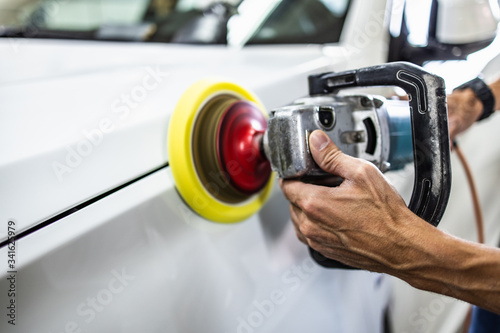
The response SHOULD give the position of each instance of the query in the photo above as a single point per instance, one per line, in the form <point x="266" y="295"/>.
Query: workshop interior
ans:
<point x="143" y="143"/>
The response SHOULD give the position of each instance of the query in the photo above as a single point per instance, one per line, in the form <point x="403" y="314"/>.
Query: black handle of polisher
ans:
<point x="429" y="121"/>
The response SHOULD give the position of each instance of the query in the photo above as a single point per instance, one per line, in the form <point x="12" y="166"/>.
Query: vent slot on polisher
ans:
<point x="371" y="134"/>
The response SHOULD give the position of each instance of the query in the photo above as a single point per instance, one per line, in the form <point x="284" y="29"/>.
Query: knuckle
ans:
<point x="315" y="245"/>
<point x="284" y="190"/>
<point x="308" y="229"/>
<point x="330" y="159"/>
<point x="364" y="170"/>
<point x="300" y="237"/>
<point x="307" y="205"/>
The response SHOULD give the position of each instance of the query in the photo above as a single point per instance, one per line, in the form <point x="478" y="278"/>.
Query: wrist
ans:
<point x="472" y="102"/>
<point x="495" y="89"/>
<point x="440" y="264"/>
<point x="430" y="256"/>
<point x="419" y="250"/>
<point x="434" y="267"/>
<point x="484" y="94"/>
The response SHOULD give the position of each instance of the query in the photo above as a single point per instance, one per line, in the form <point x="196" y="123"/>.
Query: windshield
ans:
<point x="177" y="21"/>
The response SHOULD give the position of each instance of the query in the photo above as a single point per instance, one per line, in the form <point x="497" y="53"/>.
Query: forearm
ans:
<point x="447" y="265"/>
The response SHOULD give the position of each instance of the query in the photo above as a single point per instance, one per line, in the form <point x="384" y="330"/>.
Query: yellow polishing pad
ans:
<point x="192" y="151"/>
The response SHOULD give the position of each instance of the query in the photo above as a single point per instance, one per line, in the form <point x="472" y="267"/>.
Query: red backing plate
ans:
<point x="239" y="139"/>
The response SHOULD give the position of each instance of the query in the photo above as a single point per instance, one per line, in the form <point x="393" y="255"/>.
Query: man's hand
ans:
<point x="364" y="222"/>
<point x="464" y="108"/>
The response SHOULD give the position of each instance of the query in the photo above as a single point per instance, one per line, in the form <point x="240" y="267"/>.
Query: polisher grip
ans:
<point x="431" y="144"/>
<point x="429" y="121"/>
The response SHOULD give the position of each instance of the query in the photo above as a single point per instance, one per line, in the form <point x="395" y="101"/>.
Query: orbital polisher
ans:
<point x="223" y="149"/>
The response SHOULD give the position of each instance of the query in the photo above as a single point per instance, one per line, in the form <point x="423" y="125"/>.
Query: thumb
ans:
<point x="329" y="157"/>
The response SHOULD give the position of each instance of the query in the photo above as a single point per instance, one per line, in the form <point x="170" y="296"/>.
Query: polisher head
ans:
<point x="215" y="153"/>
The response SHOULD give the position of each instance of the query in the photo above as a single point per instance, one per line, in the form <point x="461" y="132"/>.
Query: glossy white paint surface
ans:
<point x="78" y="131"/>
<point x="141" y="261"/>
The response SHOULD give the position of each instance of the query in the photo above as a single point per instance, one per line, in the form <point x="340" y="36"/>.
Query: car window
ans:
<point x="174" y="21"/>
<point x="90" y="14"/>
<point x="303" y="21"/>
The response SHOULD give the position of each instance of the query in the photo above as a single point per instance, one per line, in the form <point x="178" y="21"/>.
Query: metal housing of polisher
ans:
<point x="359" y="127"/>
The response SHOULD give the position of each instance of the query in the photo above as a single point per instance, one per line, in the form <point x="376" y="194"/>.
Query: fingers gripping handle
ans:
<point x="431" y="148"/>
<point x="429" y="121"/>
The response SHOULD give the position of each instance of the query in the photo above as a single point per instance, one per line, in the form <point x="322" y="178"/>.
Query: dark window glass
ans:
<point x="303" y="21"/>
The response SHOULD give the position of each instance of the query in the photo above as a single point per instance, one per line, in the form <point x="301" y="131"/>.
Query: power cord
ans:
<point x="477" y="212"/>
<point x="475" y="197"/>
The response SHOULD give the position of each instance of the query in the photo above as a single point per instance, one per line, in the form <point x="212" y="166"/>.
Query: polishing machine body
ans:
<point x="365" y="126"/>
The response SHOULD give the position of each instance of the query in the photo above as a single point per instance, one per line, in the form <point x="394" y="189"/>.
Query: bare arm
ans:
<point x="365" y="223"/>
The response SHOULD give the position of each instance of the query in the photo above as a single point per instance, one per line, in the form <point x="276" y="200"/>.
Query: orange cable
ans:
<point x="475" y="197"/>
<point x="477" y="212"/>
